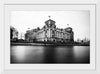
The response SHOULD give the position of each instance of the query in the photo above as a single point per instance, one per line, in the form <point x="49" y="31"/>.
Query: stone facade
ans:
<point x="49" y="32"/>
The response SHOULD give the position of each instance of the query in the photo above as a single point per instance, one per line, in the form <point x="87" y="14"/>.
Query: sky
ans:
<point x="78" y="20"/>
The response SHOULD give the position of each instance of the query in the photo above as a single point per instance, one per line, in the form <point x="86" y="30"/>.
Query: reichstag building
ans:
<point x="49" y="32"/>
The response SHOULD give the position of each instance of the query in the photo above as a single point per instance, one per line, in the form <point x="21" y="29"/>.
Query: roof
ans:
<point x="50" y="20"/>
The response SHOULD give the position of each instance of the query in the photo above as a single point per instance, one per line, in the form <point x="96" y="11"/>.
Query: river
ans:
<point x="50" y="54"/>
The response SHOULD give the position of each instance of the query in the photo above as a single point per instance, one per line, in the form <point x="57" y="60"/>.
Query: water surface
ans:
<point x="50" y="54"/>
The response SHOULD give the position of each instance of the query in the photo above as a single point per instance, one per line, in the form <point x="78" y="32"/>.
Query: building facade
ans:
<point x="49" y="32"/>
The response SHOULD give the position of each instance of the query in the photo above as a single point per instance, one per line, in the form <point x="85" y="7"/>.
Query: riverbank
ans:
<point x="47" y="44"/>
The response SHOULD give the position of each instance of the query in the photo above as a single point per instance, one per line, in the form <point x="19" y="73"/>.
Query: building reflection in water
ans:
<point x="65" y="54"/>
<point x="50" y="54"/>
<point x="27" y="54"/>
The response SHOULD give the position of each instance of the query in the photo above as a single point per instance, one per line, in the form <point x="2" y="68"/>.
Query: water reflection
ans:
<point x="65" y="54"/>
<point x="82" y="54"/>
<point x="50" y="54"/>
<point x="26" y="54"/>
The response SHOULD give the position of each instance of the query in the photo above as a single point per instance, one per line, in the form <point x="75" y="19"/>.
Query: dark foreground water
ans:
<point x="50" y="54"/>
